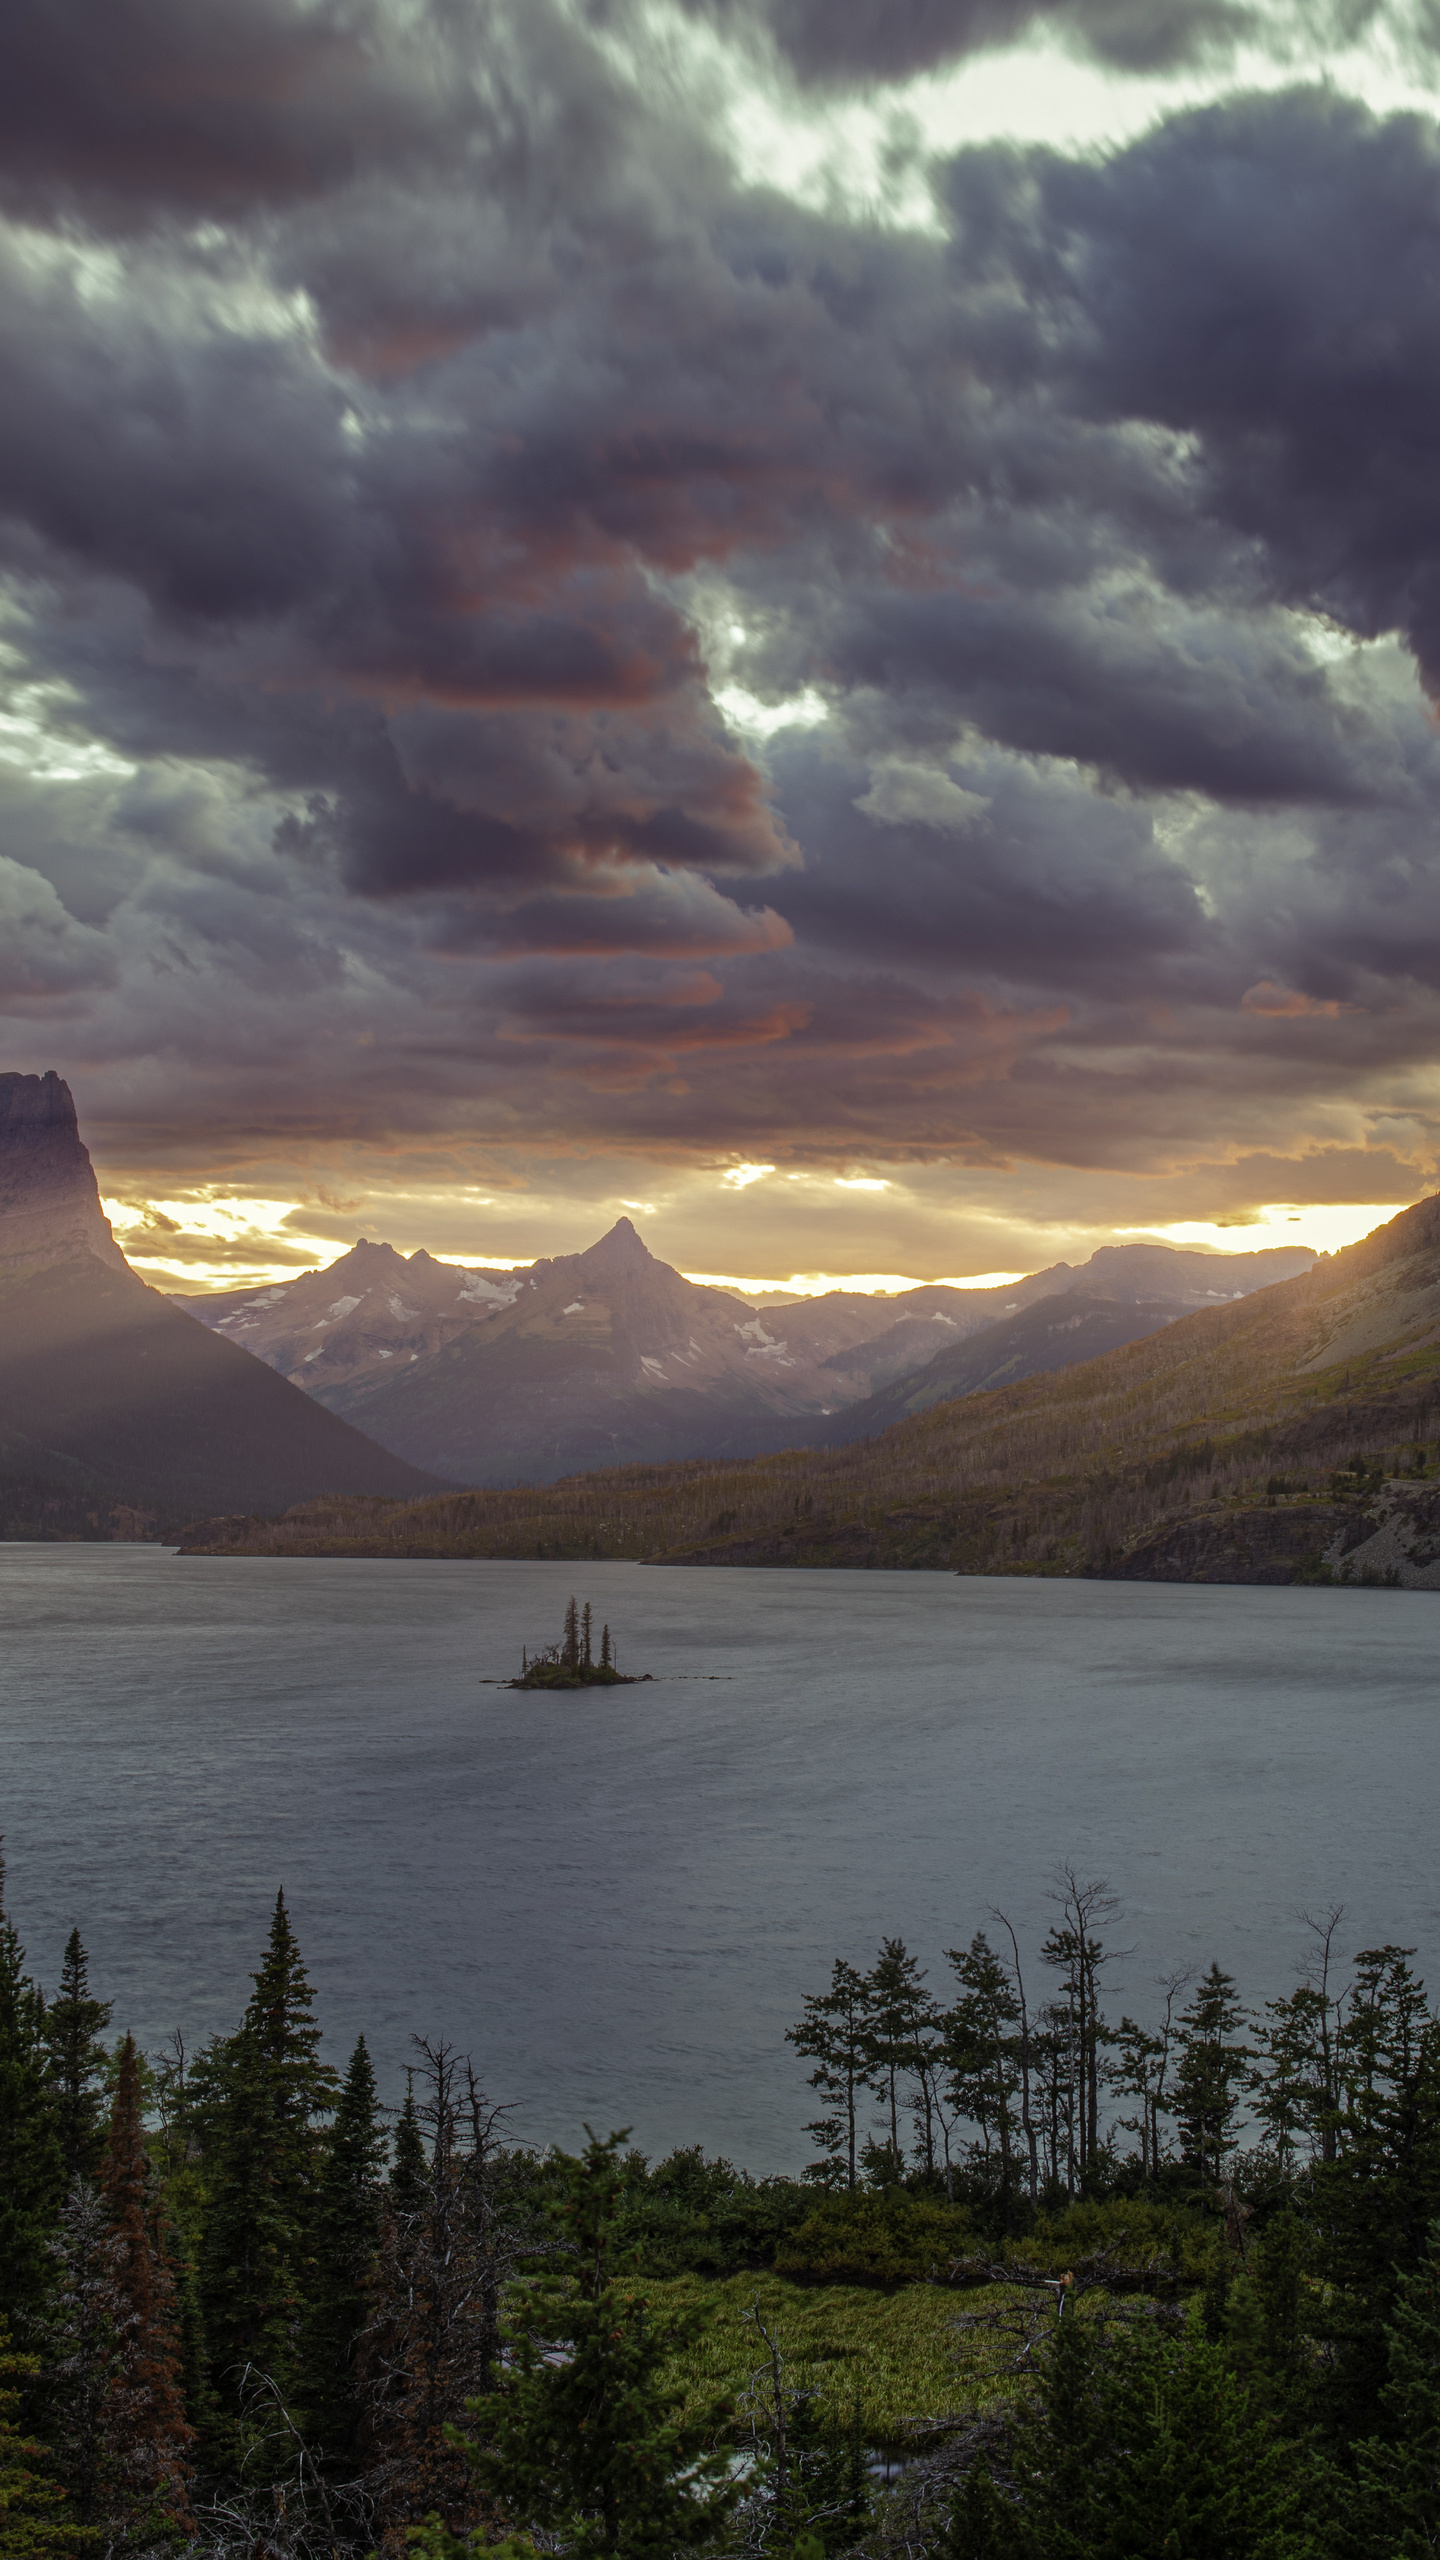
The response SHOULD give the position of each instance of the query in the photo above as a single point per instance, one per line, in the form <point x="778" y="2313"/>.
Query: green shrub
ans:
<point x="864" y="2238"/>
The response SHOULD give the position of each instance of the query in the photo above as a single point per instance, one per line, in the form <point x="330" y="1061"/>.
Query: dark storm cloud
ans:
<point x="1258" y="279"/>
<point x="406" y="408"/>
<point x="142" y="104"/>
<point x="841" y="43"/>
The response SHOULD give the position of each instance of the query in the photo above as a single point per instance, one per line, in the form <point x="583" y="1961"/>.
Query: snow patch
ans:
<point x="480" y="1292"/>
<point x="343" y="1307"/>
<point x="398" y="1308"/>
<point x="574" y="1308"/>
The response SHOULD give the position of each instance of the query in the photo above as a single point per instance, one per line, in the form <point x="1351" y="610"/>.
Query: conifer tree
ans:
<point x="152" y="2432"/>
<point x="587" y="1658"/>
<point x="407" y="2169"/>
<point x="263" y="2091"/>
<point x="347" y="2233"/>
<point x="35" y="2520"/>
<point x="1144" y="2445"/>
<point x="81" y="2335"/>
<point x="1212" y="2075"/>
<point x="606" y="1657"/>
<point x="1399" y="2473"/>
<point x="570" y="1646"/>
<point x="834" y="2035"/>
<point x="595" y="2449"/>
<point x="74" y="2023"/>
<point x="896" y="2007"/>
<point x="32" y="2181"/>
<point x="983" y="2526"/>
<point x="980" y="2054"/>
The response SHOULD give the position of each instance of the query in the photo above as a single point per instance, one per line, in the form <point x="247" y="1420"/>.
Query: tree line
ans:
<point x="1027" y="2093"/>
<point x="247" y="2311"/>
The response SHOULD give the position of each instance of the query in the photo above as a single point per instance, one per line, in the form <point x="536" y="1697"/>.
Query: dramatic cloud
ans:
<point x="526" y="647"/>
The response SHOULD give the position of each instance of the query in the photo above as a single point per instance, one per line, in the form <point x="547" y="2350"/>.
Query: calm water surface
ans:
<point x="617" y="1903"/>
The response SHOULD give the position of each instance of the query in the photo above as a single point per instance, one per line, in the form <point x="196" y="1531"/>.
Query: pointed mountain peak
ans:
<point x="49" y="1199"/>
<point x="620" y="1250"/>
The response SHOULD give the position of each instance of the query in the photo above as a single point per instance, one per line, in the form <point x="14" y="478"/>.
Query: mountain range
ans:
<point x="1289" y="1435"/>
<point x="119" y="1415"/>
<point x="610" y="1356"/>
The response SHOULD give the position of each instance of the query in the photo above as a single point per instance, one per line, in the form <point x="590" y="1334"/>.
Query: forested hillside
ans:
<point x="1288" y="1435"/>
<point x="1054" y="2282"/>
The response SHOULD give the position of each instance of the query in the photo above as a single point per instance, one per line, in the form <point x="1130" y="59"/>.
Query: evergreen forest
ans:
<point x="1054" y="2282"/>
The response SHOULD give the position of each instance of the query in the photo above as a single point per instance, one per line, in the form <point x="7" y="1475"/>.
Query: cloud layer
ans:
<point x="417" y="426"/>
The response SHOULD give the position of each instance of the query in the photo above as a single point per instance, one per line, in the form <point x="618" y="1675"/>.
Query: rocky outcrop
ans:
<point x="1391" y="1539"/>
<point x="1225" y="1542"/>
<point x="49" y="1199"/>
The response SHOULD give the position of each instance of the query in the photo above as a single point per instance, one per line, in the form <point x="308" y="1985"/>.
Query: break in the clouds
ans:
<point x="541" y="668"/>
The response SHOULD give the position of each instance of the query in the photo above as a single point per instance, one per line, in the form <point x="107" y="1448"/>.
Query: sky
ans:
<point x="816" y="622"/>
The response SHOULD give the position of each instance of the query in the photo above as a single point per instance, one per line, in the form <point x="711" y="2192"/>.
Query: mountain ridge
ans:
<point x="611" y="1356"/>
<point x="1220" y="1447"/>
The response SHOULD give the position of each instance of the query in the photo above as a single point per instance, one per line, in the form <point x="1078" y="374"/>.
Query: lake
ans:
<point x="616" y="1901"/>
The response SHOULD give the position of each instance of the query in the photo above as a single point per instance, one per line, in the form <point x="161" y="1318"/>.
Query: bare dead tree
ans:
<point x="433" y="2340"/>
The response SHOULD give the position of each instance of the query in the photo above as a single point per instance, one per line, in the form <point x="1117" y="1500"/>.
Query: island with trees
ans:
<point x="573" y="1663"/>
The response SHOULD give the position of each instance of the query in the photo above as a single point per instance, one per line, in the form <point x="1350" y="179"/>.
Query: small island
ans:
<point x="571" y="1664"/>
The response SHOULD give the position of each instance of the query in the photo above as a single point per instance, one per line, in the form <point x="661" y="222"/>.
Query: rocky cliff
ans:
<point x="119" y="1416"/>
<point x="49" y="1199"/>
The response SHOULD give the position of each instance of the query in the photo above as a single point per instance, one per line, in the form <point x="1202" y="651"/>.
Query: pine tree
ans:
<point x="570" y="1646"/>
<point x="152" y="2432"/>
<point x="896" y="2006"/>
<point x="983" y="2526"/>
<point x="834" y="2035"/>
<point x="407" y="2172"/>
<point x="1212" y="2075"/>
<point x="981" y="2061"/>
<point x="32" y="2179"/>
<point x="35" y="2521"/>
<point x="595" y="2449"/>
<point x="74" y="2023"/>
<point x="1399" y="2473"/>
<point x="587" y="1659"/>
<point x="607" y="1662"/>
<point x="1144" y="2445"/>
<point x="262" y="2092"/>
<point x="81" y="2334"/>
<point x="1373" y="2205"/>
<point x="347" y="2235"/>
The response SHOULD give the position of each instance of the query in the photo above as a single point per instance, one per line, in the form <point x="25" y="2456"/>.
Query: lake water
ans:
<point x="617" y="1902"/>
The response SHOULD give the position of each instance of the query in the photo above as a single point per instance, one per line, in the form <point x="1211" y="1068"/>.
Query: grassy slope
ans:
<point x="1062" y="1473"/>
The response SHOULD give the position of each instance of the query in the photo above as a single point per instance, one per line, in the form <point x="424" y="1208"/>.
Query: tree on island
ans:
<point x="571" y="1663"/>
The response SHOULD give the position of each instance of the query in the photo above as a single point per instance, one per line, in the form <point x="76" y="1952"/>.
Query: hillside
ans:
<point x="611" y="1356"/>
<point x="1053" y="1333"/>
<point x="119" y="1416"/>
<point x="1205" y="1452"/>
